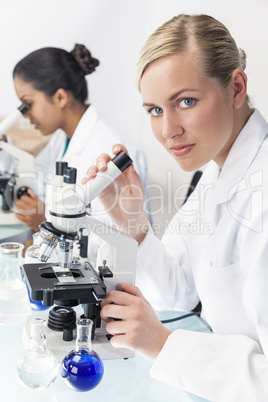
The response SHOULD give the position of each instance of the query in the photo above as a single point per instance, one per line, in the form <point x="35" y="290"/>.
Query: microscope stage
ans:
<point x="48" y="282"/>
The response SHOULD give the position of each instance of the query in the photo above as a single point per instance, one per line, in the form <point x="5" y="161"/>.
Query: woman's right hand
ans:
<point x="124" y="198"/>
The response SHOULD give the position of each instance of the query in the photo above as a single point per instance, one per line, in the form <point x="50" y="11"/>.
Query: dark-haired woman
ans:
<point x="51" y="83"/>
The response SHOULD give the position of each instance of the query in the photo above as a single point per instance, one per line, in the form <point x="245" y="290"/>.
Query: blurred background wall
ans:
<point x="114" y="32"/>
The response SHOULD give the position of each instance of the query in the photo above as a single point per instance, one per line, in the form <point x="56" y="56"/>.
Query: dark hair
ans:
<point x="49" y="69"/>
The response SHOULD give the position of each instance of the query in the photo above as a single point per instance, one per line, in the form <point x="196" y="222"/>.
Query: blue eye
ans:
<point x="156" y="111"/>
<point x="185" y="103"/>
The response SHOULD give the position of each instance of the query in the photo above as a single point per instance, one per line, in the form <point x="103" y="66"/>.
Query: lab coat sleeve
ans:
<point x="231" y="367"/>
<point x="218" y="368"/>
<point x="163" y="273"/>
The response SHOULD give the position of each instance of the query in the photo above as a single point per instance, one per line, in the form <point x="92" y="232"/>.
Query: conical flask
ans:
<point x="37" y="367"/>
<point x="82" y="369"/>
<point x="14" y="302"/>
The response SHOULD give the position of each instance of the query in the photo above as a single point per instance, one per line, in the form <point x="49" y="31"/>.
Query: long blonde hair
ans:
<point x="203" y="33"/>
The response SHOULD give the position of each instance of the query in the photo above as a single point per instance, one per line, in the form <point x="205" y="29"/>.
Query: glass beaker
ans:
<point x="14" y="302"/>
<point x="82" y="369"/>
<point x="37" y="367"/>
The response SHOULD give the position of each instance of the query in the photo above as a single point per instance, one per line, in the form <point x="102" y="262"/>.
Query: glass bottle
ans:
<point x="37" y="367"/>
<point x="14" y="302"/>
<point x="82" y="369"/>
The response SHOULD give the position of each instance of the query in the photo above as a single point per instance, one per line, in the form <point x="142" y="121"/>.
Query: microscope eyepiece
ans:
<point x="122" y="161"/>
<point x="23" y="109"/>
<point x="60" y="166"/>
<point x="69" y="175"/>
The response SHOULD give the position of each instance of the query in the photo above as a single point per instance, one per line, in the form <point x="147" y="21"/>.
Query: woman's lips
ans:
<point x="182" y="150"/>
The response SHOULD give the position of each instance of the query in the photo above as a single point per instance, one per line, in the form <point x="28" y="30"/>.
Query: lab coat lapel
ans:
<point x="240" y="158"/>
<point x="82" y="132"/>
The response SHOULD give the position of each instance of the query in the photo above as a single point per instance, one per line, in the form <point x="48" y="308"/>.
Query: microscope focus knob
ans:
<point x="22" y="191"/>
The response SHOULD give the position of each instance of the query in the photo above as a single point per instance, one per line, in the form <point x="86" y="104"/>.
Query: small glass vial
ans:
<point x="82" y="369"/>
<point x="37" y="367"/>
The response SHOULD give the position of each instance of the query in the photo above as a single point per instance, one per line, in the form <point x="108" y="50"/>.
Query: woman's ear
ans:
<point x="239" y="85"/>
<point x="61" y="97"/>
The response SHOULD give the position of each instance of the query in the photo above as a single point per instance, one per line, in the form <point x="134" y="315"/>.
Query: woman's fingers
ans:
<point x="133" y="290"/>
<point x="118" y="297"/>
<point x="101" y="163"/>
<point x="119" y="147"/>
<point x="132" y="322"/>
<point x="32" y="194"/>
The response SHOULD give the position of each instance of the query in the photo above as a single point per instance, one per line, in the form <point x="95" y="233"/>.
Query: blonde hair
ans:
<point x="202" y="33"/>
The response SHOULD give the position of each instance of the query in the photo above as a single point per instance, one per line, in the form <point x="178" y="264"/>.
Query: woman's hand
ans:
<point x="30" y="210"/>
<point x="124" y="198"/>
<point x="138" y="328"/>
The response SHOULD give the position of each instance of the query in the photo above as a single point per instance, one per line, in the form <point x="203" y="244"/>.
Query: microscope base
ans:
<point x="60" y="348"/>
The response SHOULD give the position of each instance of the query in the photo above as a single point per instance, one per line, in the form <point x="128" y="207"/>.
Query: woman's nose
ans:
<point x="171" y="125"/>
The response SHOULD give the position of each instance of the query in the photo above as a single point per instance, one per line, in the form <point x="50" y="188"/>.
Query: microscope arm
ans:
<point x="124" y="255"/>
<point x="25" y="160"/>
<point x="11" y="119"/>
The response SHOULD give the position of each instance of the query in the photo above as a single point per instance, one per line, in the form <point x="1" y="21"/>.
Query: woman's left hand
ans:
<point x="30" y="210"/>
<point x="137" y="326"/>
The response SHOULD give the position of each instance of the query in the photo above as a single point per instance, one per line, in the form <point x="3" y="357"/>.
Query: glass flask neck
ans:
<point x="84" y="330"/>
<point x="37" y="340"/>
<point x="11" y="250"/>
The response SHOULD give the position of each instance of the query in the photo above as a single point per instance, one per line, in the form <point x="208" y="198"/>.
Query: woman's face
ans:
<point x="191" y="114"/>
<point x="44" y="111"/>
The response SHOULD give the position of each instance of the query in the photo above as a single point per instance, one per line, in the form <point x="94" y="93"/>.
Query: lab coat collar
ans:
<point x="240" y="158"/>
<point x="82" y="132"/>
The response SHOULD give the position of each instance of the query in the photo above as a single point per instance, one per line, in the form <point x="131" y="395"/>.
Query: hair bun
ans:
<point x="84" y="59"/>
<point x="243" y="58"/>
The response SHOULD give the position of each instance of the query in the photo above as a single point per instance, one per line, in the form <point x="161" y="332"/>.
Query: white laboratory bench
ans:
<point x="124" y="379"/>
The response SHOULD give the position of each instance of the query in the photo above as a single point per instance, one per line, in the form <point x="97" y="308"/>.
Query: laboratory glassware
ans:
<point x="14" y="301"/>
<point x="82" y="369"/>
<point x="37" y="367"/>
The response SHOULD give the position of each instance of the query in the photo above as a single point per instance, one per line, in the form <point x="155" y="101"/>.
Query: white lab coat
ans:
<point x="216" y="250"/>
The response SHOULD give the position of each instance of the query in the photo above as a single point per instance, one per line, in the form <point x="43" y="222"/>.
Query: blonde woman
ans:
<point x="192" y="81"/>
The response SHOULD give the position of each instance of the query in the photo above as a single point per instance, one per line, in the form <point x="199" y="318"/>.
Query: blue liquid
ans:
<point x="82" y="371"/>
<point x="35" y="304"/>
